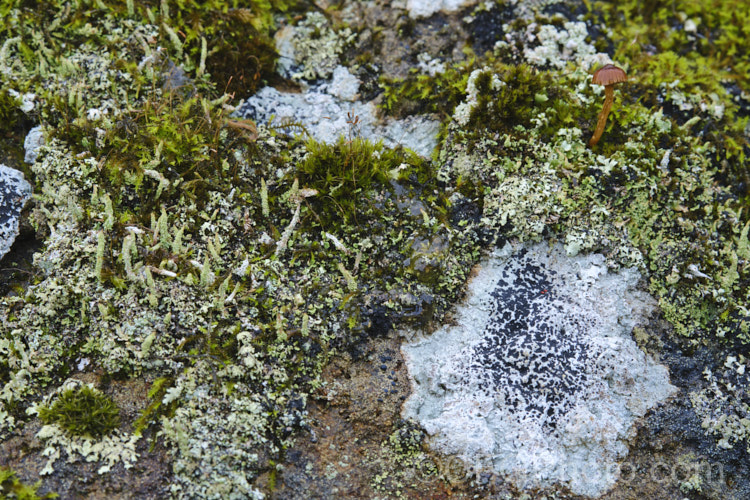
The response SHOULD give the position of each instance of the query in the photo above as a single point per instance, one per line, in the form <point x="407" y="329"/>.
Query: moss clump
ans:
<point x="82" y="411"/>
<point x="422" y="93"/>
<point x="14" y="125"/>
<point x="10" y="112"/>
<point x="12" y="488"/>
<point x="507" y="99"/>
<point x="522" y="96"/>
<point x="243" y="58"/>
<point x="170" y="141"/>
<point x="343" y="172"/>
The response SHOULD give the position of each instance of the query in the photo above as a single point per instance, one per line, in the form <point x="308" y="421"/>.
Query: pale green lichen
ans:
<point x="723" y="405"/>
<point x="218" y="433"/>
<point x="110" y="450"/>
<point x="317" y="46"/>
<point x="414" y="467"/>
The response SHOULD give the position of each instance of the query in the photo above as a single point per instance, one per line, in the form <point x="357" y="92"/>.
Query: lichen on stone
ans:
<point x="111" y="448"/>
<point x="539" y="371"/>
<point x="182" y="245"/>
<point x="723" y="405"/>
<point x="15" y="191"/>
<point x="322" y="112"/>
<point x="314" y="47"/>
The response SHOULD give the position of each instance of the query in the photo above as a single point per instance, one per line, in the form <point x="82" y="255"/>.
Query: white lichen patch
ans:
<point x="327" y="112"/>
<point x="708" y="105"/>
<point x="119" y="447"/>
<point x="552" y="47"/>
<point x="14" y="193"/>
<point x="429" y="65"/>
<point x="538" y="379"/>
<point x="31" y="144"/>
<point x="422" y="8"/>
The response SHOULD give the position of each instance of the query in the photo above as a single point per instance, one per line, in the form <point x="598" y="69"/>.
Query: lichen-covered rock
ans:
<point x="724" y="403"/>
<point x="422" y="8"/>
<point x="326" y="112"/>
<point x="311" y="49"/>
<point x="539" y="379"/>
<point x="14" y="193"/>
<point x="34" y="140"/>
<point x="247" y="283"/>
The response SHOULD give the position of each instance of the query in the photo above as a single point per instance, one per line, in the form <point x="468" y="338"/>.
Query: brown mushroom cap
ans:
<point x="608" y="75"/>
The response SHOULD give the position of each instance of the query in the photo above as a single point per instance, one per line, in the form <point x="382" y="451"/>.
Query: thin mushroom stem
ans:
<point x="609" y="98"/>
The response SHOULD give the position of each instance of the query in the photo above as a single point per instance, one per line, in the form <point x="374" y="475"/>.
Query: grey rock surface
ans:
<point x="538" y="378"/>
<point x="34" y="140"/>
<point x="14" y="193"/>
<point x="328" y="111"/>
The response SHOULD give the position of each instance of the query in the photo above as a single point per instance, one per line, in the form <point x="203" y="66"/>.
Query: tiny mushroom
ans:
<point x="608" y="76"/>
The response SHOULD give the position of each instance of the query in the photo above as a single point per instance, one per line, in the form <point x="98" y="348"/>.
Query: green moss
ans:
<point x="171" y="138"/>
<point x="720" y="24"/>
<point x="504" y="99"/>
<point x="240" y="53"/>
<point x="82" y="411"/>
<point x="10" y="112"/>
<point x="421" y="93"/>
<point x="14" y="125"/>
<point x="12" y="488"/>
<point x="697" y="73"/>
<point x="243" y="59"/>
<point x="512" y="104"/>
<point x="343" y="174"/>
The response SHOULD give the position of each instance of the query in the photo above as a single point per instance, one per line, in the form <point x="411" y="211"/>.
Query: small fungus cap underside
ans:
<point x="608" y="75"/>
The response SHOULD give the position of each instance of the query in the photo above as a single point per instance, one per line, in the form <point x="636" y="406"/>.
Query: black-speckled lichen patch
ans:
<point x="534" y="351"/>
<point x="538" y="371"/>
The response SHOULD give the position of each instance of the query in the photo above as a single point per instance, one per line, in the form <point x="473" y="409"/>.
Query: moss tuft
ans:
<point x="343" y="172"/>
<point x="82" y="411"/>
<point x="422" y="93"/>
